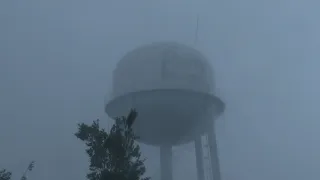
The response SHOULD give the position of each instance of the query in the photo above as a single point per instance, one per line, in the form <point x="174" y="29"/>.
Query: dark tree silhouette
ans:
<point x="114" y="155"/>
<point x="5" y="175"/>
<point x="28" y="169"/>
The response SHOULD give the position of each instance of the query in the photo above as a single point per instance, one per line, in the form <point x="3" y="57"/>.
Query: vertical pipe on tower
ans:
<point x="199" y="158"/>
<point x="214" y="153"/>
<point x="166" y="162"/>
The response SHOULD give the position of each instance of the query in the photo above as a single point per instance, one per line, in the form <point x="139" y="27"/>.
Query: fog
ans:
<point x="57" y="57"/>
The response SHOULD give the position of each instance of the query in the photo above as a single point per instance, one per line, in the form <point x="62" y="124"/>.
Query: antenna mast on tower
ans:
<point x="196" y="32"/>
<point x="206" y="149"/>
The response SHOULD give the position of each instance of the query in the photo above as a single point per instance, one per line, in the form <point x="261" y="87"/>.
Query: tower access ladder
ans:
<point x="206" y="158"/>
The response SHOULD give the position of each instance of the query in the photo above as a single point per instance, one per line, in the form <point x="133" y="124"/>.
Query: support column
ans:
<point x="214" y="153"/>
<point x="166" y="162"/>
<point x="199" y="158"/>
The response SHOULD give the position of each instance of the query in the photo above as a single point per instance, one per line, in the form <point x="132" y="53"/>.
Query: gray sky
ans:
<point x="56" y="60"/>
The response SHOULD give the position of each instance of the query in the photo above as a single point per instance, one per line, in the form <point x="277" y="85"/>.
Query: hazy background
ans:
<point x="56" y="60"/>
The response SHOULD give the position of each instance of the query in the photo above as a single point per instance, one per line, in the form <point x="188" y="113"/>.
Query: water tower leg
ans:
<point x="166" y="162"/>
<point x="199" y="158"/>
<point x="214" y="153"/>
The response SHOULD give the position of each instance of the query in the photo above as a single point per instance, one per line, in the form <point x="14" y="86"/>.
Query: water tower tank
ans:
<point x="172" y="88"/>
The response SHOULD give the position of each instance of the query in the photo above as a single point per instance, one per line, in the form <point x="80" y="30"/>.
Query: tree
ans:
<point x="6" y="175"/>
<point x="114" y="155"/>
<point x="29" y="168"/>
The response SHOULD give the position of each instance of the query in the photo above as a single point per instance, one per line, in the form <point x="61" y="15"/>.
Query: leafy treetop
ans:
<point x="114" y="155"/>
<point x="5" y="175"/>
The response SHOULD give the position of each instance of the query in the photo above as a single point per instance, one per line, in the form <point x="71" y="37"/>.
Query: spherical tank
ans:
<point x="171" y="86"/>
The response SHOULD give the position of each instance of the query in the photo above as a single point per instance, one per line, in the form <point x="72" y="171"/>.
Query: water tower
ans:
<point x="172" y="88"/>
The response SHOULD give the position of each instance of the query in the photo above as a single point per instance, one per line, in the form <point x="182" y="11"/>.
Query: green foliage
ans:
<point x="29" y="168"/>
<point x="5" y="175"/>
<point x="114" y="155"/>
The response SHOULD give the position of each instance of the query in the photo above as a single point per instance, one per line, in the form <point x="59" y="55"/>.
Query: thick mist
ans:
<point x="57" y="57"/>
